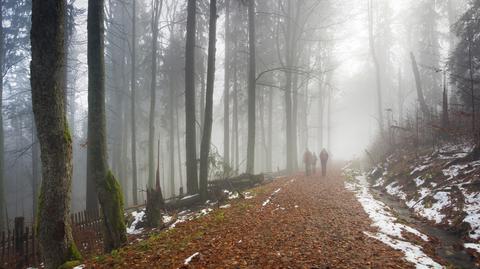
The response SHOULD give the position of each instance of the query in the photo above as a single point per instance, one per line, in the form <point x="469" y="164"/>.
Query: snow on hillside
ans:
<point x="437" y="186"/>
<point x="390" y="231"/>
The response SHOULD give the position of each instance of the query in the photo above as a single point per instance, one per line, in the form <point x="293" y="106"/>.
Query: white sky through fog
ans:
<point x="353" y="125"/>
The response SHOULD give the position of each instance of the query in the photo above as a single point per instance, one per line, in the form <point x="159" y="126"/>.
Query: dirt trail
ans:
<point x="294" y="222"/>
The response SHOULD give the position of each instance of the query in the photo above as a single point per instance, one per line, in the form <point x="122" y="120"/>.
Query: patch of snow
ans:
<point x="225" y="206"/>
<point x="390" y="231"/>
<point x="433" y="213"/>
<point x="379" y="182"/>
<point x="379" y="212"/>
<point x="138" y="219"/>
<point x="420" y="168"/>
<point x="81" y="266"/>
<point x="166" y="218"/>
<point x="189" y="196"/>
<point x="395" y="190"/>
<point x="266" y="202"/>
<point x="296" y="206"/>
<point x="453" y="171"/>
<point x="189" y="259"/>
<point x="472" y="209"/>
<point x="413" y="253"/>
<point x="419" y="181"/>
<point x="472" y="246"/>
<point x="248" y="195"/>
<point x="233" y="196"/>
<point x="204" y="212"/>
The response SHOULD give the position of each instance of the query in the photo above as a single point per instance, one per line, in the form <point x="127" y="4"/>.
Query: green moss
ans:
<point x="73" y="253"/>
<point x="66" y="132"/>
<point x="114" y="203"/>
<point x="220" y="216"/>
<point x="69" y="264"/>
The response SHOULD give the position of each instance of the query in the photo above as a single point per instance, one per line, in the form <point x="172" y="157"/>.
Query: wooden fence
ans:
<point x="20" y="249"/>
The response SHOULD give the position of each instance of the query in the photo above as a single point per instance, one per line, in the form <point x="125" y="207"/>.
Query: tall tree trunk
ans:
<point x="445" y="116"/>
<point x="133" y="82"/>
<point x="263" y="149"/>
<point x="226" y="93"/>
<point x="321" y="110"/>
<point x="377" y="68"/>
<point x="294" y="144"/>
<point x="289" y="52"/>
<point x="179" y="152"/>
<point x="108" y="190"/>
<point x="171" y="131"/>
<point x="251" y="88"/>
<point x="3" y="218"/>
<point x="400" y="98"/>
<point x="207" y="128"/>
<point x="190" y="132"/>
<point x="270" y="130"/>
<point x="48" y="86"/>
<point x="235" y="114"/>
<point x="418" y="82"/>
<point x="156" y="11"/>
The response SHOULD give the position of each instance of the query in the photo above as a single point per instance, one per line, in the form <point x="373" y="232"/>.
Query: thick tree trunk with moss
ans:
<point x="108" y="189"/>
<point x="190" y="132"/>
<point x="207" y="128"/>
<point x="48" y="84"/>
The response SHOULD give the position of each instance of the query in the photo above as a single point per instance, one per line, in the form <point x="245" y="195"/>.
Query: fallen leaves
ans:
<point x="311" y="223"/>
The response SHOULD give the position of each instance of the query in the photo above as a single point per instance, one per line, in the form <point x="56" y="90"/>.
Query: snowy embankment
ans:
<point x="437" y="187"/>
<point x="390" y="231"/>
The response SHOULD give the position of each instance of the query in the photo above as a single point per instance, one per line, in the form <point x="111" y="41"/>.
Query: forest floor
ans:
<point x="292" y="222"/>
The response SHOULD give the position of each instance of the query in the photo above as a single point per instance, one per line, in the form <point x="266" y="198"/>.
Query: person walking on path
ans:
<point x="307" y="160"/>
<point x="314" y="163"/>
<point x="324" y="160"/>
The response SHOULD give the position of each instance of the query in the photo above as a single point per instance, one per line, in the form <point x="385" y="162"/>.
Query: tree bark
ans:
<point x="171" y="131"/>
<point x="377" y="69"/>
<point x="270" y="130"/>
<point x="156" y="11"/>
<point x="289" y="54"/>
<point x="235" y="147"/>
<point x="207" y="128"/>
<point x="132" y="108"/>
<point x="3" y="218"/>
<point x="251" y="88"/>
<point x="108" y="190"/>
<point x="48" y="86"/>
<point x="190" y="132"/>
<point x="418" y="81"/>
<point x="226" y="94"/>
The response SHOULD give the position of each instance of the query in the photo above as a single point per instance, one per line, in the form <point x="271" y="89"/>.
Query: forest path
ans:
<point x="293" y="222"/>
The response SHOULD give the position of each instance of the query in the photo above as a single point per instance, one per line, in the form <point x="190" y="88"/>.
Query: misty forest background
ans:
<point x="329" y="74"/>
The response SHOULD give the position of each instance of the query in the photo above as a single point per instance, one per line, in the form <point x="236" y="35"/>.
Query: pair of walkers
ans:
<point x="310" y="160"/>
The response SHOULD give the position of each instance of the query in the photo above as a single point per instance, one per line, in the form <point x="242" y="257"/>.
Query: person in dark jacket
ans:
<point x="324" y="160"/>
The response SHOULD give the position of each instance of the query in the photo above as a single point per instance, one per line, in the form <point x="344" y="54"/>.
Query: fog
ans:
<point x="322" y="56"/>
